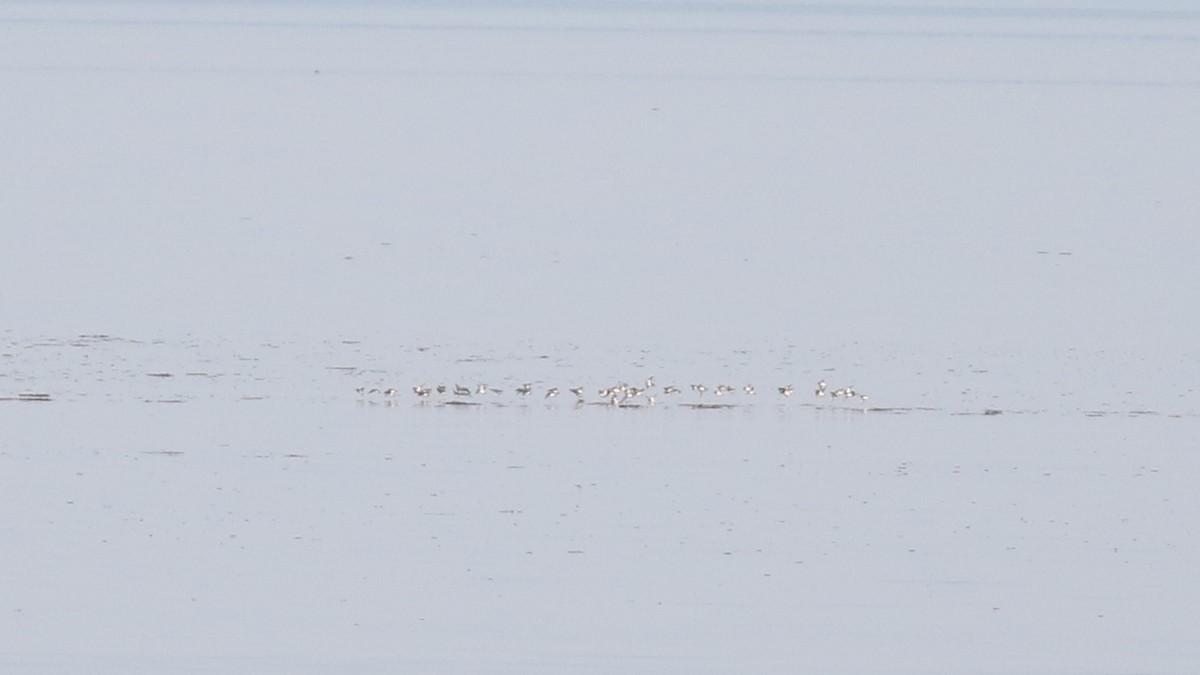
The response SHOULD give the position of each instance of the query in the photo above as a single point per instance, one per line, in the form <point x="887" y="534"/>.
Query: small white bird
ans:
<point x="552" y="392"/>
<point x="787" y="391"/>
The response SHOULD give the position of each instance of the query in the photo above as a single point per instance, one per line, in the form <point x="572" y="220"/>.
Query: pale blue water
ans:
<point x="957" y="209"/>
<point x="538" y="183"/>
<point x="251" y="513"/>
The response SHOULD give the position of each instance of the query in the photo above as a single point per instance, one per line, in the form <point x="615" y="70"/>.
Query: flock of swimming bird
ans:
<point x="618" y="395"/>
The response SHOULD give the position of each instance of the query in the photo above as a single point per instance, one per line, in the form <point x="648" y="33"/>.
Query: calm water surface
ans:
<point x="959" y="210"/>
